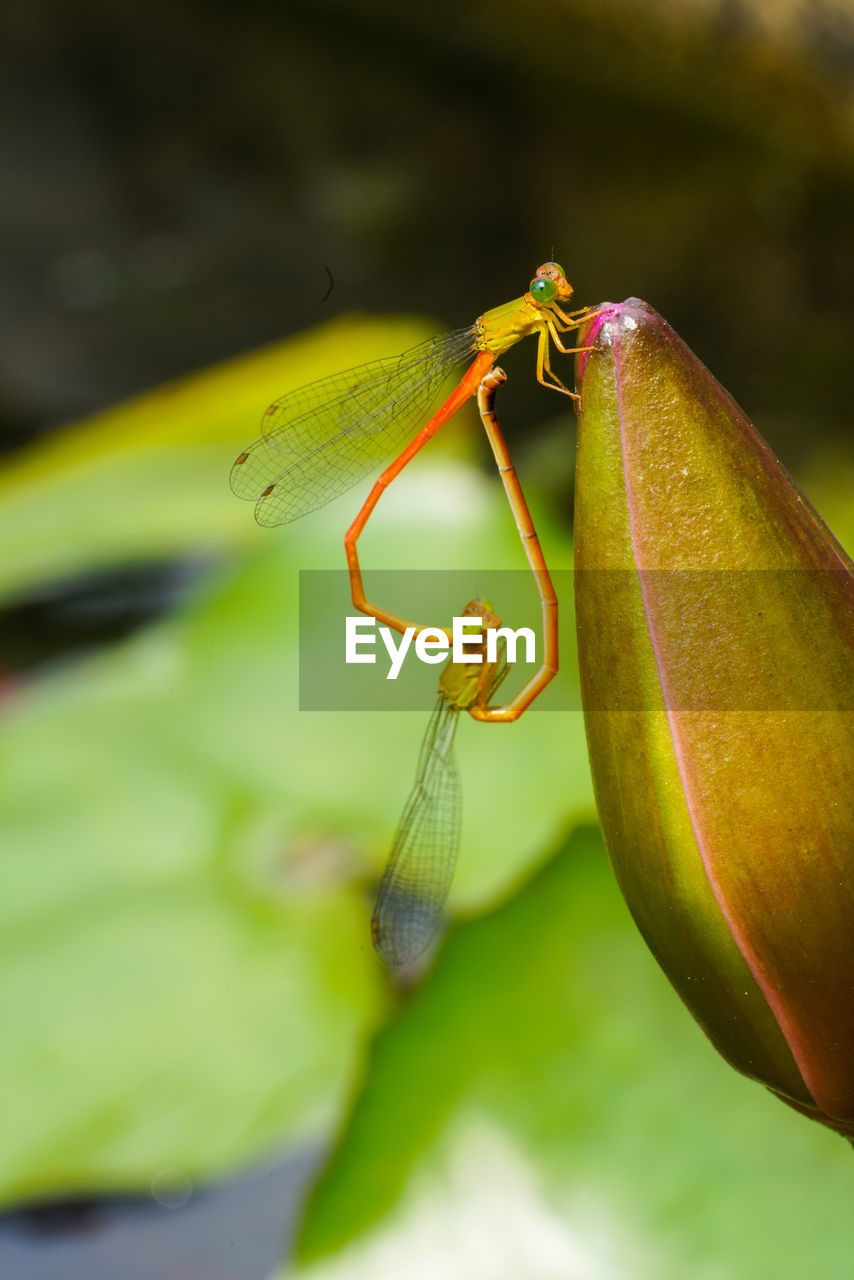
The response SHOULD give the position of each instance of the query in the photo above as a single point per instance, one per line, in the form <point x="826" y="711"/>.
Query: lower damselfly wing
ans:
<point x="417" y="878"/>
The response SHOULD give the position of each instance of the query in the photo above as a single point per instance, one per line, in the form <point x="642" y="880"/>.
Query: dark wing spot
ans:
<point x="271" y="408"/>
<point x="268" y="490"/>
<point x="238" y="462"/>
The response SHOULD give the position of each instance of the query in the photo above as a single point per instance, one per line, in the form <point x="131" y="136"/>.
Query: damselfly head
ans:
<point x="482" y="609"/>
<point x="550" y="285"/>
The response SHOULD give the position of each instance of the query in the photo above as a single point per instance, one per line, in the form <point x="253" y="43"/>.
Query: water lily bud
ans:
<point x="715" y="616"/>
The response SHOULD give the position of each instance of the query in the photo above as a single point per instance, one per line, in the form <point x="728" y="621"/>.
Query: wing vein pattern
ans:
<point x="418" y="876"/>
<point x="322" y="438"/>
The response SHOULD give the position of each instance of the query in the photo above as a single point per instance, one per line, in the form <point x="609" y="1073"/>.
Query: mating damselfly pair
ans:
<point x="321" y="439"/>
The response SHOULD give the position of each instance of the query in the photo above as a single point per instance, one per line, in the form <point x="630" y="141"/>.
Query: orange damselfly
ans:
<point x="418" y="876"/>
<point x="321" y="439"/>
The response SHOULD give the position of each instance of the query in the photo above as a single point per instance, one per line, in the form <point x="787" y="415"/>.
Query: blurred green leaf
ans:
<point x="544" y="1108"/>
<point x="150" y="477"/>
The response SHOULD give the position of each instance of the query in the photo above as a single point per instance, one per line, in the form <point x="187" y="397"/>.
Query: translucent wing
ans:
<point x="416" y="881"/>
<point x="418" y="876"/>
<point x="323" y="438"/>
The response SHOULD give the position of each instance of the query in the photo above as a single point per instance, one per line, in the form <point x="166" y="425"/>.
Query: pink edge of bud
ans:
<point x="591" y="329"/>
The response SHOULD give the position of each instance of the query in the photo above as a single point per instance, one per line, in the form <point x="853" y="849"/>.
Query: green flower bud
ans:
<point x="715" y="616"/>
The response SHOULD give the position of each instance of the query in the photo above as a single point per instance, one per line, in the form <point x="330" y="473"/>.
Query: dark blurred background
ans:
<point x="178" y="178"/>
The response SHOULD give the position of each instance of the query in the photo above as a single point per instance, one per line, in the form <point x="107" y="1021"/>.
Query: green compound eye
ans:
<point x="543" y="289"/>
<point x="556" y="267"/>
